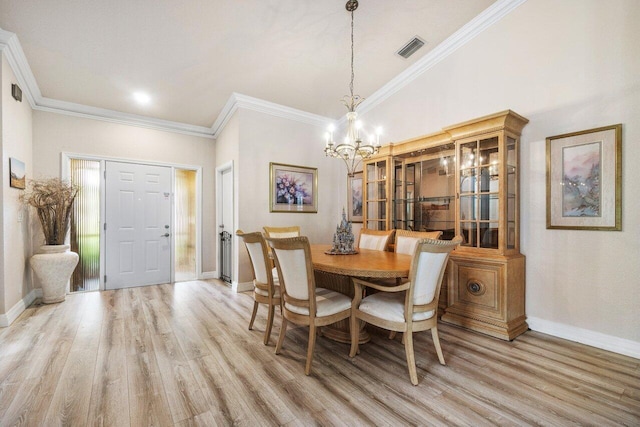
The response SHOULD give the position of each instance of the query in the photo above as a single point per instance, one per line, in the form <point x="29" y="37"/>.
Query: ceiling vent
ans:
<point x="410" y="48"/>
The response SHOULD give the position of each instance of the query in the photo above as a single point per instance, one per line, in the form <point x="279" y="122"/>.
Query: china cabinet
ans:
<point x="461" y="181"/>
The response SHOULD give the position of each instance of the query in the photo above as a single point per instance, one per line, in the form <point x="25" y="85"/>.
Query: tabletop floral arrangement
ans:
<point x="289" y="190"/>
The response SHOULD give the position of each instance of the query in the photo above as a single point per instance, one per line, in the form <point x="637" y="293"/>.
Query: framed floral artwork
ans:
<point x="293" y="188"/>
<point x="584" y="179"/>
<point x="354" y="190"/>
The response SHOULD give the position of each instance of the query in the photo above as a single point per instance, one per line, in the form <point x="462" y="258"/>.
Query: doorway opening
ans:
<point x="185" y="224"/>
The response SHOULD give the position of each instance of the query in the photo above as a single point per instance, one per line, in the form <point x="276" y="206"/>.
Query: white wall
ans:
<point x="56" y="133"/>
<point x="16" y="141"/>
<point x="263" y="139"/>
<point x="567" y="66"/>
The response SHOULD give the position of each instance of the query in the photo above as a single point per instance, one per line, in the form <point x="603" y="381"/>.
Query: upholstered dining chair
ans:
<point x="281" y="232"/>
<point x="377" y="240"/>
<point x="409" y="307"/>
<point x="303" y="303"/>
<point x="266" y="289"/>
<point x="406" y="240"/>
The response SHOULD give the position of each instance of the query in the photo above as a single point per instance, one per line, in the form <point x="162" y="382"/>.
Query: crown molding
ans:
<point x="112" y="116"/>
<point x="10" y="46"/>
<point x="237" y="101"/>
<point x="477" y="25"/>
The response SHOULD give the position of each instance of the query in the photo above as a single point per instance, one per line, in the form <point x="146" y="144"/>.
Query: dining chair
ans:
<point x="377" y="240"/>
<point x="266" y="289"/>
<point x="281" y="232"/>
<point x="409" y="307"/>
<point x="406" y="240"/>
<point x="303" y="303"/>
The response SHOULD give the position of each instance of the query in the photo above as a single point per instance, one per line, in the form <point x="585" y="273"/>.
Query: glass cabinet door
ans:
<point x="512" y="193"/>
<point x="376" y="205"/>
<point x="479" y="208"/>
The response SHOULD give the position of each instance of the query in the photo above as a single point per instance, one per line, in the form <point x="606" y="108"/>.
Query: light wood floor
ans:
<point x="182" y="355"/>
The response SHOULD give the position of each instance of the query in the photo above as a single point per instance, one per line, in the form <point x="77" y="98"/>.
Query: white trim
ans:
<point x="477" y="25"/>
<point x="585" y="336"/>
<point x="10" y="46"/>
<point x="10" y="316"/>
<point x="205" y="275"/>
<point x="241" y="287"/>
<point x="237" y="100"/>
<point x="112" y="116"/>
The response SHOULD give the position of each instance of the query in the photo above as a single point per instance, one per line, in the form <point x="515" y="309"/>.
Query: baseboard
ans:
<point x="241" y="287"/>
<point x="209" y="275"/>
<point x="584" y="336"/>
<point x="10" y="316"/>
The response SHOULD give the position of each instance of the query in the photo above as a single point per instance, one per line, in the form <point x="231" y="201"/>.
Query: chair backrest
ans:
<point x="282" y="232"/>
<point x="406" y="240"/>
<point x="295" y="270"/>
<point x="427" y="269"/>
<point x="377" y="240"/>
<point x="258" y="254"/>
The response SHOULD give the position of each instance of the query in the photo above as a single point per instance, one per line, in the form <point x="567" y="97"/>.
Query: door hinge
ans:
<point x="105" y="278"/>
<point x="105" y="174"/>
<point x="105" y="226"/>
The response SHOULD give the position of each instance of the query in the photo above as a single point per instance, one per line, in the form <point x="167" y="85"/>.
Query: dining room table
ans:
<point x="334" y="271"/>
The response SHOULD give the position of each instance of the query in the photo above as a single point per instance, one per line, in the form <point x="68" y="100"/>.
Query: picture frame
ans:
<point x="293" y="188"/>
<point x="354" y="194"/>
<point x="17" y="174"/>
<point x="584" y="180"/>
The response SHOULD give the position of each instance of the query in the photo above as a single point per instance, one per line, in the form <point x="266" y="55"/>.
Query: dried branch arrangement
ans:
<point x="53" y="199"/>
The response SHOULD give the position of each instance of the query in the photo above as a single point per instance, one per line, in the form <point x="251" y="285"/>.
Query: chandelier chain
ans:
<point x="352" y="72"/>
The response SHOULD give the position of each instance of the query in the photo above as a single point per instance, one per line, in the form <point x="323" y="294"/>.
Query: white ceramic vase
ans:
<point x="53" y="267"/>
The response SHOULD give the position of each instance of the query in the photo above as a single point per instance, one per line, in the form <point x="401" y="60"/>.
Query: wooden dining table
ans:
<point x="335" y="272"/>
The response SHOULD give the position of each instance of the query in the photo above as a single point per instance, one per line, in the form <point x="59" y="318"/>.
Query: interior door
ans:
<point x="138" y="219"/>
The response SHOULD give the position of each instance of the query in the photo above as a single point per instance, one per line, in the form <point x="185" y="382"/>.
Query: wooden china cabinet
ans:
<point x="461" y="181"/>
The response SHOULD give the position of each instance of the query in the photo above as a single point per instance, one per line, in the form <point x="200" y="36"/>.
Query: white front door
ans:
<point x="138" y="219"/>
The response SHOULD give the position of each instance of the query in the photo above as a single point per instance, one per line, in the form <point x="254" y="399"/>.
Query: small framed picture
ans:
<point x="584" y="174"/>
<point x="293" y="188"/>
<point x="17" y="176"/>
<point x="354" y="190"/>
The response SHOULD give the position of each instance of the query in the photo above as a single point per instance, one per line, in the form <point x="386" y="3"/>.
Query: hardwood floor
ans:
<point x="182" y="355"/>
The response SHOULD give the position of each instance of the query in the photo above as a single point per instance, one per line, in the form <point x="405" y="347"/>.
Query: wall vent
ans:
<point x="410" y="48"/>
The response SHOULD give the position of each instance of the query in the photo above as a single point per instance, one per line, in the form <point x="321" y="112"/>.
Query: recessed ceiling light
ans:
<point x="141" y="98"/>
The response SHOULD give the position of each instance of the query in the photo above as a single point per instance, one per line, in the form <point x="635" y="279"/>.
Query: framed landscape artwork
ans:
<point x="17" y="178"/>
<point x="354" y="190"/>
<point x="293" y="188"/>
<point x="584" y="179"/>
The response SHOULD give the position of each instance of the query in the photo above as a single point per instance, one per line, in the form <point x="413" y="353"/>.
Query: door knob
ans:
<point x="164" y="235"/>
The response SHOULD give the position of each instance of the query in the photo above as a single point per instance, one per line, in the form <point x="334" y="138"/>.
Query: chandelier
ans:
<point x="352" y="150"/>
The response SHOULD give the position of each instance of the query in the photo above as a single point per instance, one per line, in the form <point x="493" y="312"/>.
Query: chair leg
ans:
<point x="267" y="332"/>
<point x="411" y="360"/>
<point x="253" y="315"/>
<point x="283" y="330"/>
<point x="354" y="326"/>
<point x="392" y="335"/>
<point x="310" y="347"/>
<point x="436" y="342"/>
